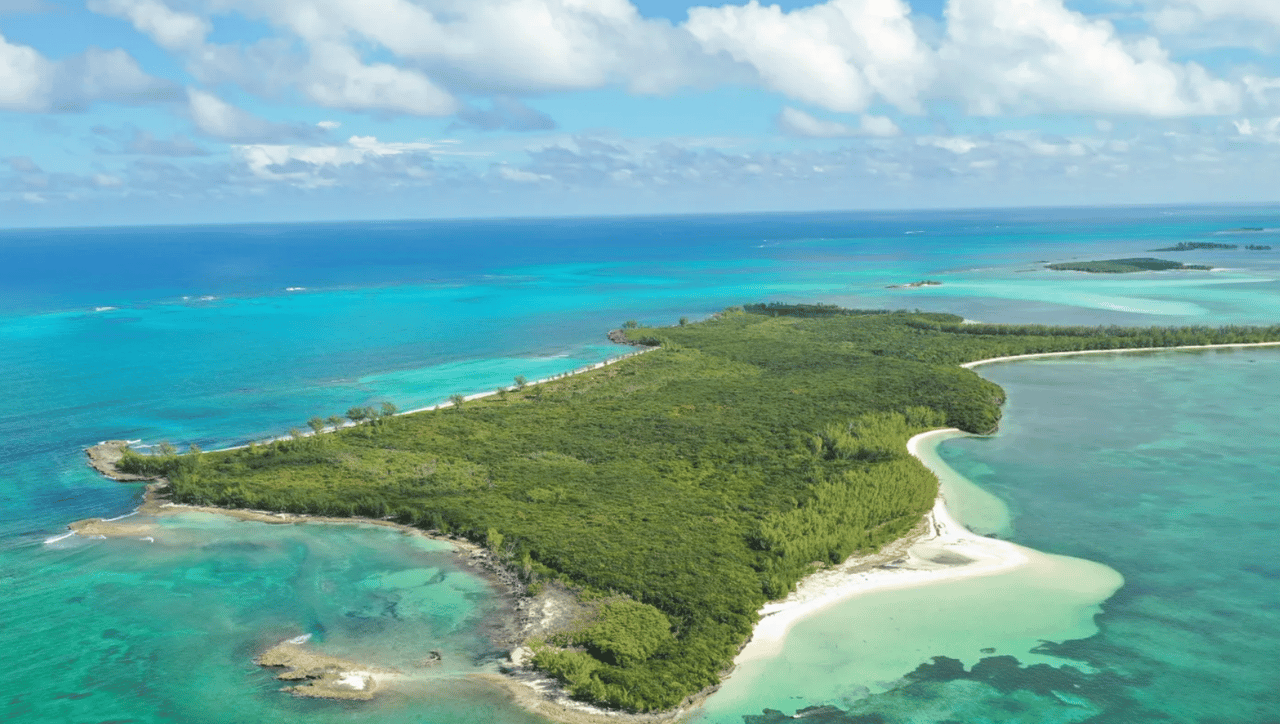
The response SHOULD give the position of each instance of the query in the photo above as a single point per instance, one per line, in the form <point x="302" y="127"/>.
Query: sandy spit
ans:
<point x="940" y="549"/>
<point x="1128" y="350"/>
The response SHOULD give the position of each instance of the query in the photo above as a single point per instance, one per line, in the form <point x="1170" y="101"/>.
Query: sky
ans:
<point x="203" y="111"/>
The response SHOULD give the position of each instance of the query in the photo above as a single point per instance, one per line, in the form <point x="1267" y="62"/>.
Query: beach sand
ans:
<point x="942" y="549"/>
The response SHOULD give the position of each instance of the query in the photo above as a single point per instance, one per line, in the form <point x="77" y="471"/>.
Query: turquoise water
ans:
<point x="1160" y="466"/>
<point x="189" y="335"/>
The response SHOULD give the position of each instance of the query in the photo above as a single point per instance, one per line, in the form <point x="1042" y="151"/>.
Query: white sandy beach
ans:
<point x="948" y="551"/>
<point x="1127" y="350"/>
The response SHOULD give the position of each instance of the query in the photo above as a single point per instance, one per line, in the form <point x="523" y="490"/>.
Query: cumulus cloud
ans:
<point x="798" y="123"/>
<point x="839" y="55"/>
<point x="170" y="29"/>
<point x="219" y="119"/>
<point x="30" y="82"/>
<point x="311" y="166"/>
<point x="25" y="78"/>
<point x="420" y="56"/>
<point x="1184" y="16"/>
<point x="1032" y="56"/>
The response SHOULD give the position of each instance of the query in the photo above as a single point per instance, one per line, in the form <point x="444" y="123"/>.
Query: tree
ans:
<point x="684" y="321"/>
<point x="166" y="449"/>
<point x="389" y="409"/>
<point x="521" y="382"/>
<point x="630" y="324"/>
<point x="456" y="400"/>
<point x="316" y="424"/>
<point x="335" y="421"/>
<point x="357" y="414"/>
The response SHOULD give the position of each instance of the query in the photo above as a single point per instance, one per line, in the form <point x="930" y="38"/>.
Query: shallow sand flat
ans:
<point x="846" y="631"/>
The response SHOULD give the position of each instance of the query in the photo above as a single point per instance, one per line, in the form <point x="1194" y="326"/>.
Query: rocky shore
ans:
<point x="104" y="457"/>
<point x="321" y="676"/>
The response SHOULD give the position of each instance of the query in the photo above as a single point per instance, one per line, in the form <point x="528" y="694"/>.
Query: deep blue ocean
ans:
<point x="1159" y="466"/>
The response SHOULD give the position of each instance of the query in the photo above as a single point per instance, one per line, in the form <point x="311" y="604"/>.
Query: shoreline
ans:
<point x="1126" y="350"/>
<point x="939" y="549"/>
<point x="441" y="405"/>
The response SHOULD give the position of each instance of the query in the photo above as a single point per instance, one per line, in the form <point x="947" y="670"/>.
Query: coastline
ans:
<point x="1127" y="350"/>
<point x="939" y="549"/>
<point x="446" y="404"/>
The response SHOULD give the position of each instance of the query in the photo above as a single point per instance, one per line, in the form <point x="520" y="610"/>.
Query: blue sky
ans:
<point x="163" y="111"/>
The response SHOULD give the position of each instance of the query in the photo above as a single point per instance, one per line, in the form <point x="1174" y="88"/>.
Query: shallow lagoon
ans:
<point x="1161" y="466"/>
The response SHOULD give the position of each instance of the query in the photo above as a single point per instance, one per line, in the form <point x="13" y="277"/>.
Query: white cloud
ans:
<point x="337" y="78"/>
<point x="513" y="174"/>
<point x="311" y="166"/>
<point x="1266" y="130"/>
<point x="329" y="125"/>
<point x="1186" y="15"/>
<point x="420" y="56"/>
<point x="170" y="29"/>
<point x="839" y="55"/>
<point x="798" y="123"/>
<point x="25" y="78"/>
<point x="1032" y="56"/>
<point x="219" y="119"/>
<point x="31" y="82"/>
<point x="955" y="144"/>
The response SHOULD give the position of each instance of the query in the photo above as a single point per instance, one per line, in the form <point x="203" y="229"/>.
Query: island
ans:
<point x="1258" y="247"/>
<point x="914" y="285"/>
<point x="1193" y="245"/>
<point x="1124" y="266"/>
<point x="664" y="499"/>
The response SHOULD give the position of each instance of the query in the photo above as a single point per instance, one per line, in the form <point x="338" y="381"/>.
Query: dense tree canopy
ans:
<point x="686" y="487"/>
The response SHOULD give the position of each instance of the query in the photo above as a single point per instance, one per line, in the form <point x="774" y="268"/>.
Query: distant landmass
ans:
<point x="913" y="285"/>
<point x="1193" y="245"/>
<point x="1124" y="266"/>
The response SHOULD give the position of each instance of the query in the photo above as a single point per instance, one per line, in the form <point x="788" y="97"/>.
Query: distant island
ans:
<point x="1124" y="266"/>
<point x="1258" y="247"/>
<point x="1193" y="245"/>
<point x="665" y="497"/>
<point x="913" y="285"/>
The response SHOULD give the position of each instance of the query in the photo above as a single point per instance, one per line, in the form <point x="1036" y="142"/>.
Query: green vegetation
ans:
<point x="680" y="489"/>
<point x="915" y="285"/>
<point x="1123" y="266"/>
<point x="1193" y="245"/>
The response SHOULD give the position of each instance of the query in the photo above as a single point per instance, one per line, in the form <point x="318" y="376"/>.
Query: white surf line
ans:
<point x="1127" y="350"/>
<point x="512" y="388"/>
<point x="467" y="398"/>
